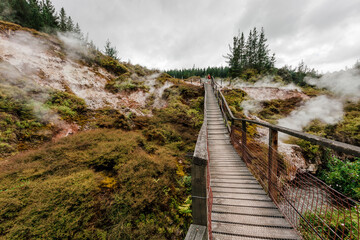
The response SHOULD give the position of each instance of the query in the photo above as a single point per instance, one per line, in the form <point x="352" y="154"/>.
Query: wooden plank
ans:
<point x="254" y="231"/>
<point x="250" y="220"/>
<point x="244" y="203"/>
<point x="196" y="232"/>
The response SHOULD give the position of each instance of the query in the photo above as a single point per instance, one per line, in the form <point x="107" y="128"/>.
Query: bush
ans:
<point x="111" y="65"/>
<point x="125" y="83"/>
<point x="68" y="105"/>
<point x="234" y="98"/>
<point x="338" y="225"/>
<point x="277" y="108"/>
<point x="343" y="176"/>
<point x="54" y="192"/>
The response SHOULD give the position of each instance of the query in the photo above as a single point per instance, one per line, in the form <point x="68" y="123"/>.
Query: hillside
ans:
<point x="91" y="148"/>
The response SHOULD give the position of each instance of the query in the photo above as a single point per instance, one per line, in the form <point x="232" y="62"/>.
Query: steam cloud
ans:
<point x="266" y="81"/>
<point x="324" y="108"/>
<point x="15" y="85"/>
<point x="345" y="83"/>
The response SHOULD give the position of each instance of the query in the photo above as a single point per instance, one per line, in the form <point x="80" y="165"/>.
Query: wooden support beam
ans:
<point x="243" y="141"/>
<point x="272" y="163"/>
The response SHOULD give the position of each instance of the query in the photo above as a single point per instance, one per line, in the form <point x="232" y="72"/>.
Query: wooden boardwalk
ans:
<point x="241" y="208"/>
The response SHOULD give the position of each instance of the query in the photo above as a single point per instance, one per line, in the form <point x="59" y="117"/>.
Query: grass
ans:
<point x="67" y="105"/>
<point x="273" y="110"/>
<point x="88" y="184"/>
<point x="339" y="223"/>
<point x="20" y="128"/>
<point x="128" y="179"/>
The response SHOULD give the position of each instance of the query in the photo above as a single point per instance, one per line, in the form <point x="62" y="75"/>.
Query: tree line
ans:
<point x="201" y="72"/>
<point x="250" y="53"/>
<point x="39" y="15"/>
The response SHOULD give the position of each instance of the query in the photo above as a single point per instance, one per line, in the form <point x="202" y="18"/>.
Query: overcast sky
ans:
<point x="168" y="34"/>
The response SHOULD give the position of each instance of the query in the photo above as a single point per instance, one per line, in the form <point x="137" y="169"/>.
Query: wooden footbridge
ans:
<point x="247" y="197"/>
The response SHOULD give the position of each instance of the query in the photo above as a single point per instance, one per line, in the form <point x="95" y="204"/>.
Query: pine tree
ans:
<point x="21" y="11"/>
<point x="49" y="16"/>
<point x="250" y="53"/>
<point x="69" y="25"/>
<point x="248" y="50"/>
<point x="110" y="50"/>
<point x="242" y="53"/>
<point x="62" y="20"/>
<point x="253" y="46"/>
<point x="262" y="52"/>
<point x="35" y="18"/>
<point x="234" y="58"/>
<point x="78" y="32"/>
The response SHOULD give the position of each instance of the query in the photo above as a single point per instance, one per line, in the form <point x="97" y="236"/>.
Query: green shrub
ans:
<point x="234" y="98"/>
<point x="95" y="184"/>
<point x="111" y="65"/>
<point x="277" y="108"/>
<point x="68" y="105"/>
<point x="20" y="128"/>
<point x="339" y="225"/>
<point x="343" y="176"/>
<point x="164" y="77"/>
<point x="125" y="83"/>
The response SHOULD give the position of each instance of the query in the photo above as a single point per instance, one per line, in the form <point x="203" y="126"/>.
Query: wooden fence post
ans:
<point x="272" y="163"/>
<point x="243" y="140"/>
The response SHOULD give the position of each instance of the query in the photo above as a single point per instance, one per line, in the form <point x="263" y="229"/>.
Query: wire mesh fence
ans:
<point x="312" y="207"/>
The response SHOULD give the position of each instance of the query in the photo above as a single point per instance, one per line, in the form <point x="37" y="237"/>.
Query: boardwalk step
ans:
<point x="240" y="230"/>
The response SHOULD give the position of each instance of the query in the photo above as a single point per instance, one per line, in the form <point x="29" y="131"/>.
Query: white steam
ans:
<point x="322" y="107"/>
<point x="266" y="82"/>
<point x="17" y="86"/>
<point x="345" y="83"/>
<point x="250" y="107"/>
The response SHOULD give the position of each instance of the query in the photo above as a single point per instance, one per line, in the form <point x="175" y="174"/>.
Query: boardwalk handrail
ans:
<point x="325" y="142"/>
<point x="201" y="226"/>
<point x="315" y="209"/>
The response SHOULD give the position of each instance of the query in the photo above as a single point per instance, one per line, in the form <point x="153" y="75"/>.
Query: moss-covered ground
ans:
<point x="127" y="178"/>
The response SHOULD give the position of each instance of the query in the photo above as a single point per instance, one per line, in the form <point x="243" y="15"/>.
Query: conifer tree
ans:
<point x="35" y="19"/>
<point x="62" y="20"/>
<point x="234" y="58"/>
<point x="49" y="16"/>
<point x="69" y="25"/>
<point x="262" y="52"/>
<point x="250" y="53"/>
<point x="242" y="53"/>
<point x="110" y="50"/>
<point x="253" y="50"/>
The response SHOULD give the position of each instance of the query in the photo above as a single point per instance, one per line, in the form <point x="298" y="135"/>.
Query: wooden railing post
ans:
<point x="243" y="140"/>
<point x="272" y="162"/>
<point x="199" y="194"/>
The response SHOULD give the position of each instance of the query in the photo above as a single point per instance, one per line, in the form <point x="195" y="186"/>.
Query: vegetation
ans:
<point x="234" y="98"/>
<point x="110" y="50"/>
<point x="39" y="15"/>
<point x="69" y="106"/>
<point x="125" y="83"/>
<point x="338" y="226"/>
<point x="250" y="53"/>
<point x="20" y="129"/>
<point x="95" y="185"/>
<point x="273" y="110"/>
<point x="129" y="179"/>
<point x="342" y="175"/>
<point x="201" y="72"/>
<point x="297" y="74"/>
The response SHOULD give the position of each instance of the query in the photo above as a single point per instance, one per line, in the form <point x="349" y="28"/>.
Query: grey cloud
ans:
<point x="170" y="33"/>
